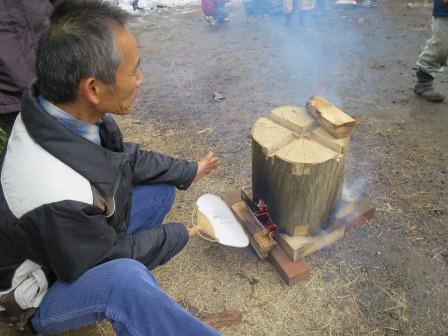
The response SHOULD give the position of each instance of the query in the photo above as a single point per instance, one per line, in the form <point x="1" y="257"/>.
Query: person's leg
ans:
<point x="432" y="59"/>
<point x="303" y="15"/>
<point x="122" y="291"/>
<point x="435" y="53"/>
<point x="288" y="18"/>
<point x="293" y="14"/>
<point x="221" y="13"/>
<point x="150" y="204"/>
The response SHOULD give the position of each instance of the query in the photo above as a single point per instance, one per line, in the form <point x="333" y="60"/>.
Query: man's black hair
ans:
<point x="78" y="43"/>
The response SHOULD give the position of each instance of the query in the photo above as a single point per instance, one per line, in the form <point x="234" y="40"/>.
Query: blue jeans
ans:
<point x="122" y="291"/>
<point x="221" y="13"/>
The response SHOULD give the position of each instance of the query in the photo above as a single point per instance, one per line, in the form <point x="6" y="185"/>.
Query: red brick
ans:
<point x="291" y="272"/>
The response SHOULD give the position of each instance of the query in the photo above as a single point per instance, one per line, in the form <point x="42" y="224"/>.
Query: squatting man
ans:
<point x="81" y="210"/>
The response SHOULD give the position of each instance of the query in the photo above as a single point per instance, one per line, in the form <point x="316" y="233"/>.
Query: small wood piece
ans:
<point x="291" y="272"/>
<point x="322" y="136"/>
<point x="223" y="319"/>
<point x="335" y="121"/>
<point x="293" y="118"/>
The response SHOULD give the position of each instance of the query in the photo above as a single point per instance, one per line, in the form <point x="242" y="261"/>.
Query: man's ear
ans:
<point x="90" y="89"/>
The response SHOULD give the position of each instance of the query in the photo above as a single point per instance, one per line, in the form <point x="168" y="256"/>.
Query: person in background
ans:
<point x="21" y="24"/>
<point x="300" y="8"/>
<point x="215" y="10"/>
<point x="434" y="55"/>
<point x="135" y="6"/>
<point x="81" y="210"/>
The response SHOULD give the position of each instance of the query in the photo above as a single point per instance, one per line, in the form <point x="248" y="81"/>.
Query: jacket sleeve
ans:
<point x="71" y="237"/>
<point x="151" y="167"/>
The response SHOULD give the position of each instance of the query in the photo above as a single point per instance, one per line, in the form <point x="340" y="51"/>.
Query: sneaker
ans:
<point x="211" y="20"/>
<point x="345" y="4"/>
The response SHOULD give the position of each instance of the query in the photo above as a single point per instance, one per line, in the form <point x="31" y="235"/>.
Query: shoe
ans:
<point x="223" y="20"/>
<point x="369" y="3"/>
<point x="345" y="4"/>
<point x="425" y="89"/>
<point x="211" y="20"/>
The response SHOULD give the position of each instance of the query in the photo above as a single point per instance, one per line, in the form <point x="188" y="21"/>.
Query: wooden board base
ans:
<point x="298" y="247"/>
<point x="288" y="256"/>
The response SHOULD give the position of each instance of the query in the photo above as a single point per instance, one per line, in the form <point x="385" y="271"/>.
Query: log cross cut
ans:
<point x="298" y="160"/>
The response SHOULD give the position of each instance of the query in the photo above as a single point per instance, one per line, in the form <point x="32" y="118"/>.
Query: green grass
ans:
<point x="3" y="136"/>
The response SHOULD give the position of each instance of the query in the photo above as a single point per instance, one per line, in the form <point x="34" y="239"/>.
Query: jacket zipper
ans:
<point x="118" y="181"/>
<point x="116" y="185"/>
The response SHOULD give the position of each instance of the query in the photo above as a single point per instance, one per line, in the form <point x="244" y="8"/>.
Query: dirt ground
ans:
<point x="387" y="278"/>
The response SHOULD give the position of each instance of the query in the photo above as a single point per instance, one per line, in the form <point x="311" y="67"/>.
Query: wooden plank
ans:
<point x="339" y="124"/>
<point x="258" y="235"/>
<point x="223" y="319"/>
<point x="240" y="201"/>
<point x="232" y="196"/>
<point x="298" y="247"/>
<point x="348" y="216"/>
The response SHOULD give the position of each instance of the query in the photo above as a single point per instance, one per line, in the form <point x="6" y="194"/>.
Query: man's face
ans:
<point x="120" y="100"/>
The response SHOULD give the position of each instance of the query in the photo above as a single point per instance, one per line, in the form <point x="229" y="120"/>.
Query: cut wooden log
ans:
<point x="297" y="169"/>
<point x="339" y="124"/>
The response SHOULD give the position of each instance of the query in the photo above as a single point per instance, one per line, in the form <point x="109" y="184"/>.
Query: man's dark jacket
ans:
<point x="440" y="9"/>
<point x="21" y="24"/>
<point x="65" y="201"/>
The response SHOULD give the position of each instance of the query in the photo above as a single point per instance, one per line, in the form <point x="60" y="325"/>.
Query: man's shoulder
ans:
<point x="31" y="176"/>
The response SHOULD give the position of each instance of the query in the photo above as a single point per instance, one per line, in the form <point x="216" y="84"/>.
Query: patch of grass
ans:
<point x="3" y="136"/>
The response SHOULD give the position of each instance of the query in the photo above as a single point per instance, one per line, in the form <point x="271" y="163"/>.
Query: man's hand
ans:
<point x="208" y="164"/>
<point x="191" y="233"/>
